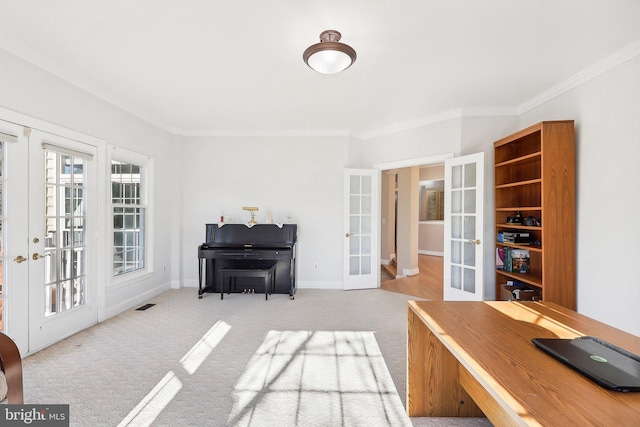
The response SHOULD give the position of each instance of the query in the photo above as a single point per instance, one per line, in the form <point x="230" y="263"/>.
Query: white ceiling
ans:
<point x="230" y="67"/>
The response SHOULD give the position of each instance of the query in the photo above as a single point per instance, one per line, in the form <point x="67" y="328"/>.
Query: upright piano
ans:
<point x="242" y="246"/>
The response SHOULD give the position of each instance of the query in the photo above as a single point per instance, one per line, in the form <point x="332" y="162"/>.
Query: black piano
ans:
<point x="230" y="246"/>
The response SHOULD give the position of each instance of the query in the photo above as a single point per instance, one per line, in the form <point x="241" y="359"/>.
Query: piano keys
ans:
<point x="241" y="246"/>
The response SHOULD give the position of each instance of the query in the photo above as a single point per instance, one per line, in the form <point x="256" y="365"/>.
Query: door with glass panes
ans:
<point x="50" y="238"/>
<point x="361" y="254"/>
<point x="463" y="228"/>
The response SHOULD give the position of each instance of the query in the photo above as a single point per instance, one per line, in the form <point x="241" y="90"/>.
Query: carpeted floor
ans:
<point x="179" y="362"/>
<point x="306" y="378"/>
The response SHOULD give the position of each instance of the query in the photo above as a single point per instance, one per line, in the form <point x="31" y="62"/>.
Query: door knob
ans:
<point x="37" y="256"/>
<point x="347" y="235"/>
<point x="20" y="259"/>
<point x="477" y="242"/>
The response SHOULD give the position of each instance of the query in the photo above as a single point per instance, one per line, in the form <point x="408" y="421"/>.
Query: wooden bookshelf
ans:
<point x="535" y="175"/>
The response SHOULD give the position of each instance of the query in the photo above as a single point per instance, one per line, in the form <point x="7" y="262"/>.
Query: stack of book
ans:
<point x="512" y="260"/>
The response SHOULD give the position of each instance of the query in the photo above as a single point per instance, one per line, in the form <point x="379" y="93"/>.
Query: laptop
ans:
<point x="602" y="362"/>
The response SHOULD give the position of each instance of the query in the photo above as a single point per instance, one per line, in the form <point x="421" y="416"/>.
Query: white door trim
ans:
<point x="418" y="161"/>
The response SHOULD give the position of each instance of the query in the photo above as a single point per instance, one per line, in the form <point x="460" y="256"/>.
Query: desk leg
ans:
<point x="433" y="384"/>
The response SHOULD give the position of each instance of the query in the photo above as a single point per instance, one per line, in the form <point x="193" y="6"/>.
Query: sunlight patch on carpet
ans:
<point x="150" y="407"/>
<point x="321" y="378"/>
<point x="201" y="350"/>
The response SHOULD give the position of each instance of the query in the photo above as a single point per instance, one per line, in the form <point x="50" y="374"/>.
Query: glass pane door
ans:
<point x="361" y="236"/>
<point x="63" y="183"/>
<point x="463" y="228"/>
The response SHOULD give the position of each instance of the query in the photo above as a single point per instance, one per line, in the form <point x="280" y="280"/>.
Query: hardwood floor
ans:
<point x="427" y="284"/>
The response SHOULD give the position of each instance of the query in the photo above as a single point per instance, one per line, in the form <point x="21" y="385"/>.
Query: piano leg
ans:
<point x="199" y="278"/>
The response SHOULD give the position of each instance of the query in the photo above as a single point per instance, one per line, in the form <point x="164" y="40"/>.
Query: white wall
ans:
<point x="32" y="92"/>
<point x="431" y="238"/>
<point x="432" y="140"/>
<point x="478" y="135"/>
<point x="297" y="176"/>
<point x="606" y="111"/>
<point x="303" y="177"/>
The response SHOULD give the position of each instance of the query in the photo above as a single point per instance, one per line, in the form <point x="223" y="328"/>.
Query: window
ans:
<point x="129" y="217"/>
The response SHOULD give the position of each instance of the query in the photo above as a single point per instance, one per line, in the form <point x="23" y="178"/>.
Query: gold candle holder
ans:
<point x="252" y="210"/>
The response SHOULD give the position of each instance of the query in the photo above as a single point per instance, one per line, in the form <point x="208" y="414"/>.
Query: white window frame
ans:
<point x="146" y="192"/>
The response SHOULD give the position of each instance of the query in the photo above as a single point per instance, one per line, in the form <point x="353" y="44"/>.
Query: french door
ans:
<point x="51" y="206"/>
<point x="463" y="228"/>
<point x="361" y="260"/>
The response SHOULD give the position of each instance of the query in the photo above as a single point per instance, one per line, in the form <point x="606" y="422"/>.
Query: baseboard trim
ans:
<point x="434" y="253"/>
<point x="308" y="284"/>
<point x="410" y="271"/>
<point x="136" y="300"/>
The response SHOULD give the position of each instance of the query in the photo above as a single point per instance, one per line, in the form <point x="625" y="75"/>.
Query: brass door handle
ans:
<point x="37" y="256"/>
<point x="20" y="259"/>
<point x="477" y="242"/>
<point x="347" y="235"/>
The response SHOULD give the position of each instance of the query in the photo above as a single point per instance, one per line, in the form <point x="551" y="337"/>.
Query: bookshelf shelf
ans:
<point x="521" y="183"/>
<point x="526" y="185"/>
<point x="525" y="278"/>
<point x="523" y="159"/>
<point x="531" y="248"/>
<point x="518" y="226"/>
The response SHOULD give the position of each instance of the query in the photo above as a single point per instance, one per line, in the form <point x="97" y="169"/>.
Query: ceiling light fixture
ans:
<point x="329" y="56"/>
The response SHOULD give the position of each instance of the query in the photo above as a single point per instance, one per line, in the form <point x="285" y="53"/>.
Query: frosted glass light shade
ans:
<point x="329" y="61"/>
<point x="329" y="56"/>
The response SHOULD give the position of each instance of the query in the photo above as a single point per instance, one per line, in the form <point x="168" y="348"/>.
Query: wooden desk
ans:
<point x="470" y="358"/>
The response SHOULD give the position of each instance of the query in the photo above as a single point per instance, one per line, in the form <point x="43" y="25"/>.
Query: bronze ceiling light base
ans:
<point x="329" y="56"/>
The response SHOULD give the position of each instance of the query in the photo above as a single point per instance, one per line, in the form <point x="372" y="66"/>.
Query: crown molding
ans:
<point x="252" y="133"/>
<point x="626" y="53"/>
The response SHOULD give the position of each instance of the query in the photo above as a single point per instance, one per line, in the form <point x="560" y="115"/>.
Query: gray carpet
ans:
<point x="179" y="362"/>
<point x="326" y="378"/>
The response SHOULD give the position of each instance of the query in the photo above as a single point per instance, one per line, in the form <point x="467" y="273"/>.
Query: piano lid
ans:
<point x="256" y="236"/>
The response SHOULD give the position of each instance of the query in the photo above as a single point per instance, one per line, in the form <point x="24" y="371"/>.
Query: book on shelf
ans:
<point x="520" y="261"/>
<point x="513" y="260"/>
<point x="500" y="259"/>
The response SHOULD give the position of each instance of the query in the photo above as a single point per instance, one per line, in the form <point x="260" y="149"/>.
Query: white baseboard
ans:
<point x="434" y="253"/>
<point x="309" y="284"/>
<point x="410" y="271"/>
<point x="137" y="299"/>
<point x="189" y="284"/>
<point x="300" y="284"/>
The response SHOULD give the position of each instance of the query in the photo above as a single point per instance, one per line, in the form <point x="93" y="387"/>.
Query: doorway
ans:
<point x="49" y="236"/>
<point x="389" y="238"/>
